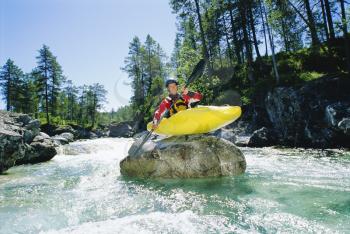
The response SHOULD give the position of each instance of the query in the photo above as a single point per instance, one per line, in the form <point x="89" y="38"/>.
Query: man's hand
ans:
<point x="154" y="126"/>
<point x="184" y="91"/>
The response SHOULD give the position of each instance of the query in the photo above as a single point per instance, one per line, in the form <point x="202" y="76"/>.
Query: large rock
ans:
<point x="21" y="141"/>
<point x="186" y="157"/>
<point x="54" y="130"/>
<point x="60" y="140"/>
<point x="41" y="149"/>
<point x="311" y="115"/>
<point x="67" y="135"/>
<point x="11" y="148"/>
<point x="64" y="138"/>
<point x="344" y="125"/>
<point x="64" y="129"/>
<point x="122" y="129"/>
<point x="262" y="137"/>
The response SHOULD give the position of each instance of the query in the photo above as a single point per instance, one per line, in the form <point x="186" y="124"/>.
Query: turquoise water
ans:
<point x="81" y="191"/>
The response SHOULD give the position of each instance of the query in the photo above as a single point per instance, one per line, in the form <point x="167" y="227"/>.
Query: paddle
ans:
<point x="196" y="73"/>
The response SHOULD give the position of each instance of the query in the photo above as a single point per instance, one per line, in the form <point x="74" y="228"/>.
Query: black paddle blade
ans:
<point x="197" y="72"/>
<point x="136" y="147"/>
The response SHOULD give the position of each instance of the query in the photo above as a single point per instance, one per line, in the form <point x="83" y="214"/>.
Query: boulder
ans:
<point x="41" y="137"/>
<point x="64" y="129"/>
<point x="38" y="152"/>
<point x="33" y="124"/>
<point x="60" y="140"/>
<point x="67" y="135"/>
<point x="186" y="157"/>
<point x="100" y="133"/>
<point x="336" y="113"/>
<point x="11" y="148"/>
<point x="262" y="137"/>
<point x="41" y="149"/>
<point x="64" y="138"/>
<point x="22" y="142"/>
<point x="284" y="110"/>
<point x="311" y="115"/>
<point x="83" y="133"/>
<point x="23" y="118"/>
<point x="122" y="129"/>
<point x="344" y="125"/>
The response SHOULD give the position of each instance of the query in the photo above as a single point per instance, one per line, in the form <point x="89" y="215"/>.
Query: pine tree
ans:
<point x="71" y="92"/>
<point x="43" y="73"/>
<point x="97" y="97"/>
<point x="55" y="83"/>
<point x="49" y="80"/>
<point x="10" y="81"/>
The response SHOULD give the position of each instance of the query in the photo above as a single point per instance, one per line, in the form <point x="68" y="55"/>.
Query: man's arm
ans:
<point x="163" y="107"/>
<point x="191" y="97"/>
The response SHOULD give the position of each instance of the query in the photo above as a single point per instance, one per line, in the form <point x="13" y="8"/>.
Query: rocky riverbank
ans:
<point x="315" y="114"/>
<point x="22" y="142"/>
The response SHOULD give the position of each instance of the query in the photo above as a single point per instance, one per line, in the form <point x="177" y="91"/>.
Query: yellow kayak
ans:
<point x="201" y="119"/>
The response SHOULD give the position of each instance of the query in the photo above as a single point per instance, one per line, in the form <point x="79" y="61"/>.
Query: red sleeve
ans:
<point x="192" y="97"/>
<point x="164" y="105"/>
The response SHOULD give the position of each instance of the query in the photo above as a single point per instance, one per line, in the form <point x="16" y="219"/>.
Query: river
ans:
<point x="81" y="191"/>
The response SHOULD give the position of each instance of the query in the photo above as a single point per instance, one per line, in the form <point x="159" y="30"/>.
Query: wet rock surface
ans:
<point x="315" y="114"/>
<point x="186" y="157"/>
<point x="22" y="142"/>
<point x="122" y="129"/>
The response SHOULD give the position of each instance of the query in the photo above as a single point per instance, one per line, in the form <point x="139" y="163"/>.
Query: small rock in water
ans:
<point x="186" y="157"/>
<point x="262" y="137"/>
<point x="123" y="129"/>
<point x="67" y="135"/>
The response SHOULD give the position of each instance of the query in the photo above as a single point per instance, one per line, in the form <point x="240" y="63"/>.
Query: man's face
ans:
<point x="172" y="88"/>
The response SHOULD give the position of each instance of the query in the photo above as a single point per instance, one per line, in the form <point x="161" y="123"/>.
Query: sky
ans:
<point x="89" y="37"/>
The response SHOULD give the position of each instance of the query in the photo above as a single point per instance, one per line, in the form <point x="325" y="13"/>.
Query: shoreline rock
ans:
<point x="122" y="129"/>
<point x="313" y="115"/>
<point x="21" y="141"/>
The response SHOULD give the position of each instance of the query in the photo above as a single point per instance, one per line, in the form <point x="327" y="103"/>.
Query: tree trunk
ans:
<point x="284" y="35"/>
<point x="205" y="49"/>
<point x="272" y="47"/>
<point x="243" y="14"/>
<point x="312" y="26"/>
<point x="264" y="29"/>
<point x="227" y="41"/>
<point x="252" y="26"/>
<point x="345" y="32"/>
<point x="324" y="18"/>
<point x="46" y="93"/>
<point x="150" y="71"/>
<point x="329" y="20"/>
<point x="234" y="36"/>
<point x="8" y="98"/>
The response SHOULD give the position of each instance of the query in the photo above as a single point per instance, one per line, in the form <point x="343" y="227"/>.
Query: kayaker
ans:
<point x="181" y="102"/>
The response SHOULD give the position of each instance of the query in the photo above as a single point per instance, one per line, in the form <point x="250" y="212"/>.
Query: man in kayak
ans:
<point x="175" y="102"/>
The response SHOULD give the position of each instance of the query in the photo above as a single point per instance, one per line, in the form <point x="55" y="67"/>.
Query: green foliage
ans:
<point x="45" y="94"/>
<point x="124" y="113"/>
<point x="11" y="81"/>
<point x="147" y="69"/>
<point x="49" y="78"/>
